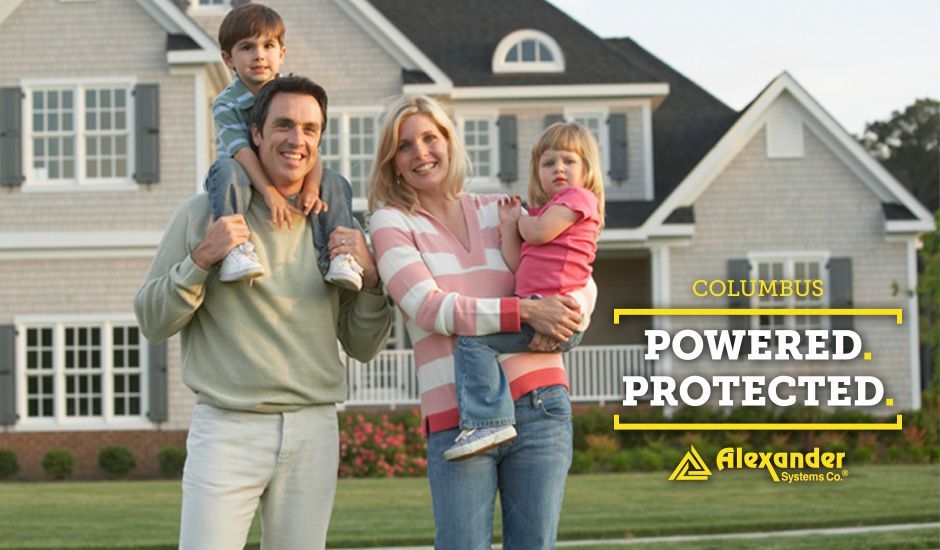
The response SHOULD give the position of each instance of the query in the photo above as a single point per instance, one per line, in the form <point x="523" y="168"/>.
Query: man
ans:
<point x="263" y="361"/>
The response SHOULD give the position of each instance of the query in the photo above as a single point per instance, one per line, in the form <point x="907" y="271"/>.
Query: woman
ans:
<point x="438" y="251"/>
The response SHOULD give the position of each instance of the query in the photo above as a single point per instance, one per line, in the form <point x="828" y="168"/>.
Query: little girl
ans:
<point x="558" y="241"/>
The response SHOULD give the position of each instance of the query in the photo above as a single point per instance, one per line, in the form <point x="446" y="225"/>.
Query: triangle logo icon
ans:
<point x="691" y="468"/>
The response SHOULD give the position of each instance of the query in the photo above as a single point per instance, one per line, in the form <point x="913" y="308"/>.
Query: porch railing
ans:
<point x="595" y="374"/>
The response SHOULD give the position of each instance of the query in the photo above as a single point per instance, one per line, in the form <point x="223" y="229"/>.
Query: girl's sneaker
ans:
<point x="475" y="441"/>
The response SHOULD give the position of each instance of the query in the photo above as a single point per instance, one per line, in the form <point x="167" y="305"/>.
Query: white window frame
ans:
<point x="80" y="182"/>
<point x="59" y="421"/>
<point x="788" y="259"/>
<point x="602" y="113"/>
<point x="516" y="38"/>
<point x="491" y="117"/>
<point x="341" y="116"/>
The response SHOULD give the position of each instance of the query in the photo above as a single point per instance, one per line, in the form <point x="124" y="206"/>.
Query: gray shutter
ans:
<point x="147" y="133"/>
<point x="11" y="137"/>
<point x="552" y="119"/>
<point x="7" y="375"/>
<point x="508" y="149"/>
<point x="840" y="291"/>
<point x="739" y="269"/>
<point x="617" y="132"/>
<point x="157" y="382"/>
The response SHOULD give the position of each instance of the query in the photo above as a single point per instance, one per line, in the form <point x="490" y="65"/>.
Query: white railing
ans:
<point x="595" y="374"/>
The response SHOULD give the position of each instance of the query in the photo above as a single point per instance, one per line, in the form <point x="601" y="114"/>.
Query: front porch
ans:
<point x="594" y="372"/>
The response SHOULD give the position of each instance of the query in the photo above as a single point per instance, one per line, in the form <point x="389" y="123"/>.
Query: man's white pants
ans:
<point x="286" y="462"/>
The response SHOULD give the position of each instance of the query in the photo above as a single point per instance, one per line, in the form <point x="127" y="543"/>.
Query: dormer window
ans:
<point x="528" y="51"/>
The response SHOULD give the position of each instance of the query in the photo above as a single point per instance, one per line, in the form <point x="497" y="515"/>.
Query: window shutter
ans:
<point x="740" y="269"/>
<point x="840" y="291"/>
<point x="147" y="133"/>
<point x="552" y="119"/>
<point x="7" y="375"/>
<point x="11" y="137"/>
<point x="508" y="157"/>
<point x="617" y="132"/>
<point x="157" y="380"/>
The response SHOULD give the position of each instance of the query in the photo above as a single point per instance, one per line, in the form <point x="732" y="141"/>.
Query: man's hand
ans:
<point x="222" y="235"/>
<point x="345" y="240"/>
<point x="557" y="317"/>
<point x="281" y="210"/>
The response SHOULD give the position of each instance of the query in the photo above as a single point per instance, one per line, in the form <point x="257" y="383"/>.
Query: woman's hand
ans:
<point x="540" y="342"/>
<point x="557" y="317"/>
<point x="510" y="209"/>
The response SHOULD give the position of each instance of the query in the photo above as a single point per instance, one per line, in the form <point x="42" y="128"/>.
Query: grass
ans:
<point x="908" y="540"/>
<point x="371" y="511"/>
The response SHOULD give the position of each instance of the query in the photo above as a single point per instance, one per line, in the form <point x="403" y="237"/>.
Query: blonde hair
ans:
<point x="573" y="137"/>
<point x="386" y="188"/>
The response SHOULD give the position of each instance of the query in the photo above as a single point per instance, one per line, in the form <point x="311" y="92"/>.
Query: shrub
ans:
<point x="582" y="463"/>
<point x="116" y="460"/>
<point x="645" y="460"/>
<point x="381" y="446"/>
<point x="171" y="459"/>
<point x="594" y="420"/>
<point x="58" y="463"/>
<point x="619" y="461"/>
<point x="601" y="447"/>
<point x="670" y="457"/>
<point x="9" y="466"/>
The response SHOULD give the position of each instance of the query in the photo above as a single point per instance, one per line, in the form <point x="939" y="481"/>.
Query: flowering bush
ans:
<point x="372" y="445"/>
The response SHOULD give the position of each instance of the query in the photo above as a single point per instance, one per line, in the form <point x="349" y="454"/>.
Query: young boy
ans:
<point x="252" y="41"/>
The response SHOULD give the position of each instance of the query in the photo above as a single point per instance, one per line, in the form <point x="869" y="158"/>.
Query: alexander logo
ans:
<point x="778" y="465"/>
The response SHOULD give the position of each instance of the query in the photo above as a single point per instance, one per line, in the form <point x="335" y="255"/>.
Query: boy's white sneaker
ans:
<point x="345" y="272"/>
<point x="475" y="441"/>
<point x="241" y="264"/>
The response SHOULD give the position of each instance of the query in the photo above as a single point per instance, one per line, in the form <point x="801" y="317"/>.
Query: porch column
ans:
<point x="660" y="278"/>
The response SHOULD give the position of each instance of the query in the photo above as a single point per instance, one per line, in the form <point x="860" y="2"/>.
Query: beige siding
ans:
<point x="107" y="38"/>
<point x="812" y="203"/>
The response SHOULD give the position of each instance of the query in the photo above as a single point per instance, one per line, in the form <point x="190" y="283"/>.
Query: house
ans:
<point x="106" y="129"/>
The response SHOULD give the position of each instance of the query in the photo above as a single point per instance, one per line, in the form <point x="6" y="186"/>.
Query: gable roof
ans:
<point x="686" y="126"/>
<point x="454" y="36"/>
<point x="751" y="119"/>
<point x="187" y="43"/>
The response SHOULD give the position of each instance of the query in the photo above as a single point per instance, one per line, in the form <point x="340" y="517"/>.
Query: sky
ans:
<point x="860" y="59"/>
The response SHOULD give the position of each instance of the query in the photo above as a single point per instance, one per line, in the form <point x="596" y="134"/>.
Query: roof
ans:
<point x="686" y="126"/>
<point x="461" y="42"/>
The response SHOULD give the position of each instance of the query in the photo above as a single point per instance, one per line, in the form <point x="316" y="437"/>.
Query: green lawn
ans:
<point x="146" y="514"/>
<point x="907" y="540"/>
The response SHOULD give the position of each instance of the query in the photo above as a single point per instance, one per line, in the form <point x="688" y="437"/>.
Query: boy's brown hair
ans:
<point x="248" y="21"/>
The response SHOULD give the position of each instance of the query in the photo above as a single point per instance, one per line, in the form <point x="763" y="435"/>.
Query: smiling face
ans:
<point x="255" y="60"/>
<point x="559" y="170"/>
<point x="422" y="158"/>
<point x="287" y="144"/>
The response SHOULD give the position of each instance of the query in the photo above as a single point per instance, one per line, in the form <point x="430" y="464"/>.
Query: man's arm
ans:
<point x="174" y="286"/>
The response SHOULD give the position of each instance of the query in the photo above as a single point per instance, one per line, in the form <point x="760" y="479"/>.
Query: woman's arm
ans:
<point x="510" y="209"/>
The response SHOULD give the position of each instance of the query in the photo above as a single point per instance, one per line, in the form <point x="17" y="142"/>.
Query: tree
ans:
<point x="908" y="146"/>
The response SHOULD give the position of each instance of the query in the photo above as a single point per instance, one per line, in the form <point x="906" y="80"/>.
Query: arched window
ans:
<point x="528" y="51"/>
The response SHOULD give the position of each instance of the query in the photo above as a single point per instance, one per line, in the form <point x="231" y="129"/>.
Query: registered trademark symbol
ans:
<point x="845" y="473"/>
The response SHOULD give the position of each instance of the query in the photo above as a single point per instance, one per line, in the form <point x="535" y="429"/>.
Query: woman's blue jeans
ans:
<point x="529" y="472"/>
<point x="229" y="189"/>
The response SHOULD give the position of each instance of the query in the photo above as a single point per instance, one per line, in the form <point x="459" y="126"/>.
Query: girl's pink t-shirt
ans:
<point x="564" y="264"/>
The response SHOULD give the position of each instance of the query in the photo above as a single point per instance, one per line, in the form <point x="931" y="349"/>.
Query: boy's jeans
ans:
<point x="229" y="189"/>
<point x="483" y="395"/>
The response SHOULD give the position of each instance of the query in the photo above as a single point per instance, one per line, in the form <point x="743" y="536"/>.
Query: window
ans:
<point x="348" y="147"/>
<point x="596" y="123"/>
<point x="210" y="5"/>
<point x="79" y="134"/>
<point x="789" y="268"/>
<point x="82" y="373"/>
<point x="480" y="139"/>
<point x="528" y="51"/>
